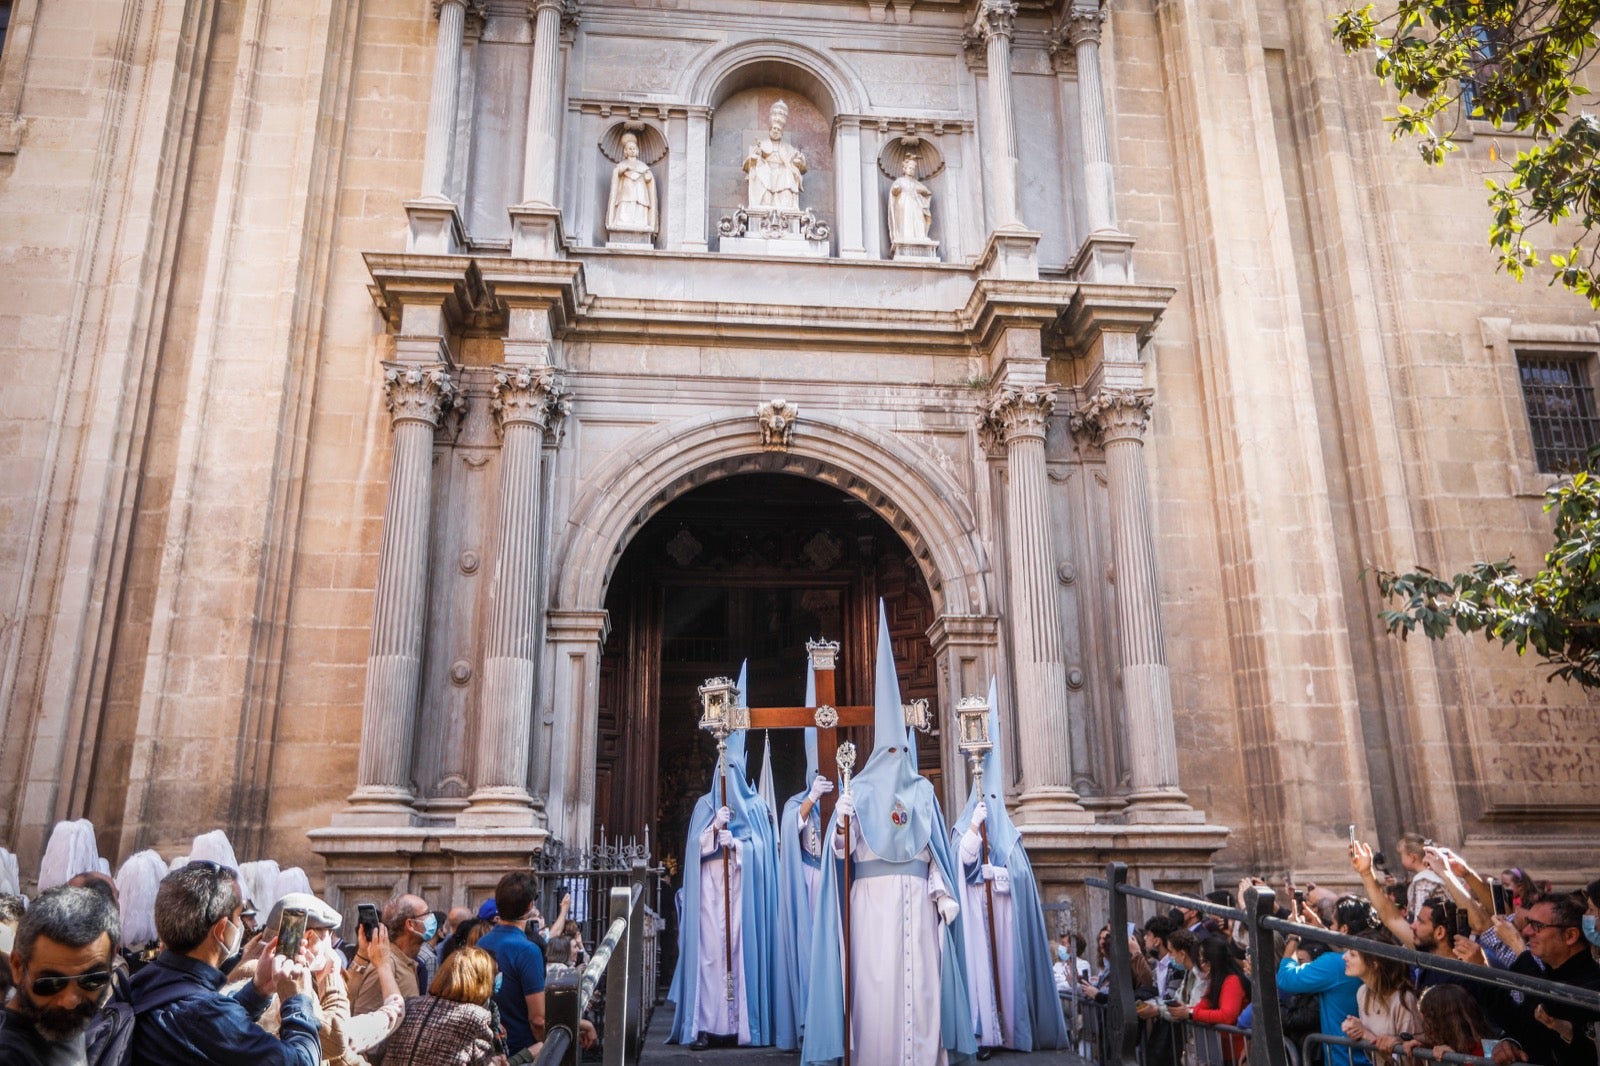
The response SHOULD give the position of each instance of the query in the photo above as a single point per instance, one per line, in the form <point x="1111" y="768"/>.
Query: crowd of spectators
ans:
<point x="1188" y="967"/>
<point x="414" y="987"/>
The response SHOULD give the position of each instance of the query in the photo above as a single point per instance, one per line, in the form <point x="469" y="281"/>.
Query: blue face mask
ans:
<point x="1061" y="952"/>
<point x="430" y="926"/>
<point x="1590" y="933"/>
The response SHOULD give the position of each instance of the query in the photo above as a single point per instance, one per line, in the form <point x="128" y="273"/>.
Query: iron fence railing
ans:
<point x="1109" y="1031"/>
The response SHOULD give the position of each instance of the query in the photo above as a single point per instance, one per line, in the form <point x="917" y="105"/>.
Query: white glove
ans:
<point x="980" y="814"/>
<point x="988" y="871"/>
<point x="948" y="909"/>
<point x="723" y="817"/>
<point x="820" y="786"/>
<point x="1000" y="876"/>
<point x="725" y="839"/>
<point x="846" y="806"/>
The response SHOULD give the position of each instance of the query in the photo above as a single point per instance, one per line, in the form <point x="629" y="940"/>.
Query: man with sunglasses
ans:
<point x="61" y="965"/>
<point x="182" y="1015"/>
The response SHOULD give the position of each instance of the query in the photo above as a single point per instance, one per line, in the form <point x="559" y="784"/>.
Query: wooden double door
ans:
<point x="744" y="569"/>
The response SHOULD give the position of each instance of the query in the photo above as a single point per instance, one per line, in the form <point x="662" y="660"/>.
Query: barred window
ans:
<point x="1561" y="410"/>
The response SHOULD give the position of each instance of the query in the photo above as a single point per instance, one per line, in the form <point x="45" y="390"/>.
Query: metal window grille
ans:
<point x="1561" y="410"/>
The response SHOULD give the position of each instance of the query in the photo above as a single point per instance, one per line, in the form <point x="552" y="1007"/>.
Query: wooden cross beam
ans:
<point x="826" y="716"/>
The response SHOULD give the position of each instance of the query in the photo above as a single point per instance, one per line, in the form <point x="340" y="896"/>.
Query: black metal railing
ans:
<point x="619" y="959"/>
<point x="1116" y="1039"/>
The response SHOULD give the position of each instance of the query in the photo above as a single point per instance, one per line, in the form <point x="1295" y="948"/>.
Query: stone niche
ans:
<point x="609" y="152"/>
<point x="740" y="121"/>
<point x="931" y="171"/>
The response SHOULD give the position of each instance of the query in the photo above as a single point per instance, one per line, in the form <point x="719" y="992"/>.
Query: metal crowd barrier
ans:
<point x="1118" y="1041"/>
<point x="629" y="994"/>
<point x="1422" y="1053"/>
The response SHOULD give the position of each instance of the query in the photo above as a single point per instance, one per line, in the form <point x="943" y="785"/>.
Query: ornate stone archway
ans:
<point x="914" y="496"/>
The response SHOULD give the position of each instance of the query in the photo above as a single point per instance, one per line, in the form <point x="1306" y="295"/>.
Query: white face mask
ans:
<point x="230" y="949"/>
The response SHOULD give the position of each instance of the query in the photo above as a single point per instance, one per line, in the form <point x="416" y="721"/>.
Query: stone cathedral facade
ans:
<point x="409" y="402"/>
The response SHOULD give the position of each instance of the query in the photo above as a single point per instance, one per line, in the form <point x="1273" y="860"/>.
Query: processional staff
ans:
<point x="719" y="716"/>
<point x="846" y="758"/>
<point x="972" y="712"/>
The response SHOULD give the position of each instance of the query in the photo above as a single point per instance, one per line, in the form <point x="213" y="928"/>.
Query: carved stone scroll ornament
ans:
<point x="1019" y="412"/>
<point x="774" y="225"/>
<point x="420" y="392"/>
<point x="777" y="417"/>
<point x="1113" y="414"/>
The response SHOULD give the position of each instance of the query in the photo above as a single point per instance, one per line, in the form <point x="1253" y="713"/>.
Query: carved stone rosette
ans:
<point x="1112" y="415"/>
<point x="1019" y="412"/>
<point x="526" y="395"/>
<point x="777" y="417"/>
<point x="420" y="392"/>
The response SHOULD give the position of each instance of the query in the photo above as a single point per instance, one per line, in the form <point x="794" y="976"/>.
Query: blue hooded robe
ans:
<point x="751" y="825"/>
<point x="898" y="817"/>
<point x="795" y="913"/>
<point x="1035" y="1019"/>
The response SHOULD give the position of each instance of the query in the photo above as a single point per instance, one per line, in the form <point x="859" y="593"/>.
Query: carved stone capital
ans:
<point x="1083" y="23"/>
<point x="993" y="18"/>
<point x="525" y="395"/>
<point x="567" y="9"/>
<point x="1114" y="414"/>
<point x="777" y="417"/>
<point x="420" y="392"/>
<point x="1018" y="413"/>
<point x="1063" y="56"/>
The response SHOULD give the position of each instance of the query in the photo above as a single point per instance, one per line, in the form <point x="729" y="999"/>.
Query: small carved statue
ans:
<point x="633" y="193"/>
<point x="777" y="417"/>
<point x="775" y="170"/>
<point x="910" y="206"/>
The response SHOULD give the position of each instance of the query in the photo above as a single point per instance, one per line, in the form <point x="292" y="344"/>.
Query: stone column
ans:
<point x="1083" y="25"/>
<point x="417" y="397"/>
<point x="993" y="25"/>
<point x="847" y="183"/>
<point x="696" y="209"/>
<point x="523" y="396"/>
<point x="1017" y="417"/>
<point x="1115" y="419"/>
<point x="442" y="104"/>
<point x="545" y="99"/>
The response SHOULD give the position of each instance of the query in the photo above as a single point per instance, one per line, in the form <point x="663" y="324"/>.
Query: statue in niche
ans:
<point x="910" y="214"/>
<point x="775" y="169"/>
<point x="633" y="194"/>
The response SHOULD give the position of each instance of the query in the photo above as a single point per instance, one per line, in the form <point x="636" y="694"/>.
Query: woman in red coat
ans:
<point x="1227" y="993"/>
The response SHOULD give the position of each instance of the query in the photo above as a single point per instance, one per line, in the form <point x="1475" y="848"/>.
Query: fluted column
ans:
<point x="417" y="396"/>
<point x="545" y="100"/>
<point x="523" y="396"/>
<point x="442" y="104"/>
<point x="1017" y="416"/>
<point x="1116" y="419"/>
<point x="1083" y="25"/>
<point x="993" y="25"/>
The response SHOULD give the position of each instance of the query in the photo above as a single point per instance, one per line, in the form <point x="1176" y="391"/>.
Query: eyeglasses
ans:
<point x="93" y="981"/>
<point x="1534" y="925"/>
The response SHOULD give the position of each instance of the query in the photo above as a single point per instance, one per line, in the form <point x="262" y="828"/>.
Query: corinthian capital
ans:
<point x="1083" y="22"/>
<point x="1113" y="414"/>
<point x="993" y="18"/>
<point x="567" y="9"/>
<point x="1017" y="413"/>
<point x="525" y="395"/>
<point x="419" y="392"/>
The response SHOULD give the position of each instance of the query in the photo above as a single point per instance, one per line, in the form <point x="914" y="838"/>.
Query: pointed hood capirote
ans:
<point x="895" y="805"/>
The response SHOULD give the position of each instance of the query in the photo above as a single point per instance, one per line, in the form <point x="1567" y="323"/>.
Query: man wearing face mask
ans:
<point x="181" y="1014"/>
<point x="411" y="925"/>
<point x="61" y="964"/>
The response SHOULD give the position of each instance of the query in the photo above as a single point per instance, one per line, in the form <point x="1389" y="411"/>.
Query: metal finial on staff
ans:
<point x="718" y="697"/>
<point x="972" y="714"/>
<point x="846" y="759"/>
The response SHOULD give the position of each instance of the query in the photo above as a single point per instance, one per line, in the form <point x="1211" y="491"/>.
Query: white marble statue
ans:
<point x="775" y="169"/>
<point x="910" y="206"/>
<point x="633" y="193"/>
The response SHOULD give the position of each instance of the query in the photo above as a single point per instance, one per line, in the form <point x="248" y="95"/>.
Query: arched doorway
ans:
<point x="745" y="567"/>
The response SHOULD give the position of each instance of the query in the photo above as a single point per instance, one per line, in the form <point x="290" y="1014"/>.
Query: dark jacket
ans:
<point x="183" y="1017"/>
<point x="1515" y="1014"/>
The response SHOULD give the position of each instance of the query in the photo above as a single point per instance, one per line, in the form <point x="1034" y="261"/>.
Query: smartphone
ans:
<point x="1502" y="904"/>
<point x="367" y="918"/>
<point x="1352" y="834"/>
<point x="1463" y="923"/>
<point x="291" y="932"/>
<point x="1299" y="898"/>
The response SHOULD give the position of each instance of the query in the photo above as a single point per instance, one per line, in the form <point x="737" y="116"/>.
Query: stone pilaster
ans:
<point x="545" y="101"/>
<point x="992" y="27"/>
<point x="442" y="103"/>
<point x="524" y="397"/>
<point x="1115" y="419"/>
<point x="1017" y="417"/>
<point x="417" y="395"/>
<point x="1106" y="253"/>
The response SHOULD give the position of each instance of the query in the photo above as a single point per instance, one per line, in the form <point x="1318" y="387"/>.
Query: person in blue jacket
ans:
<point x="1325" y="977"/>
